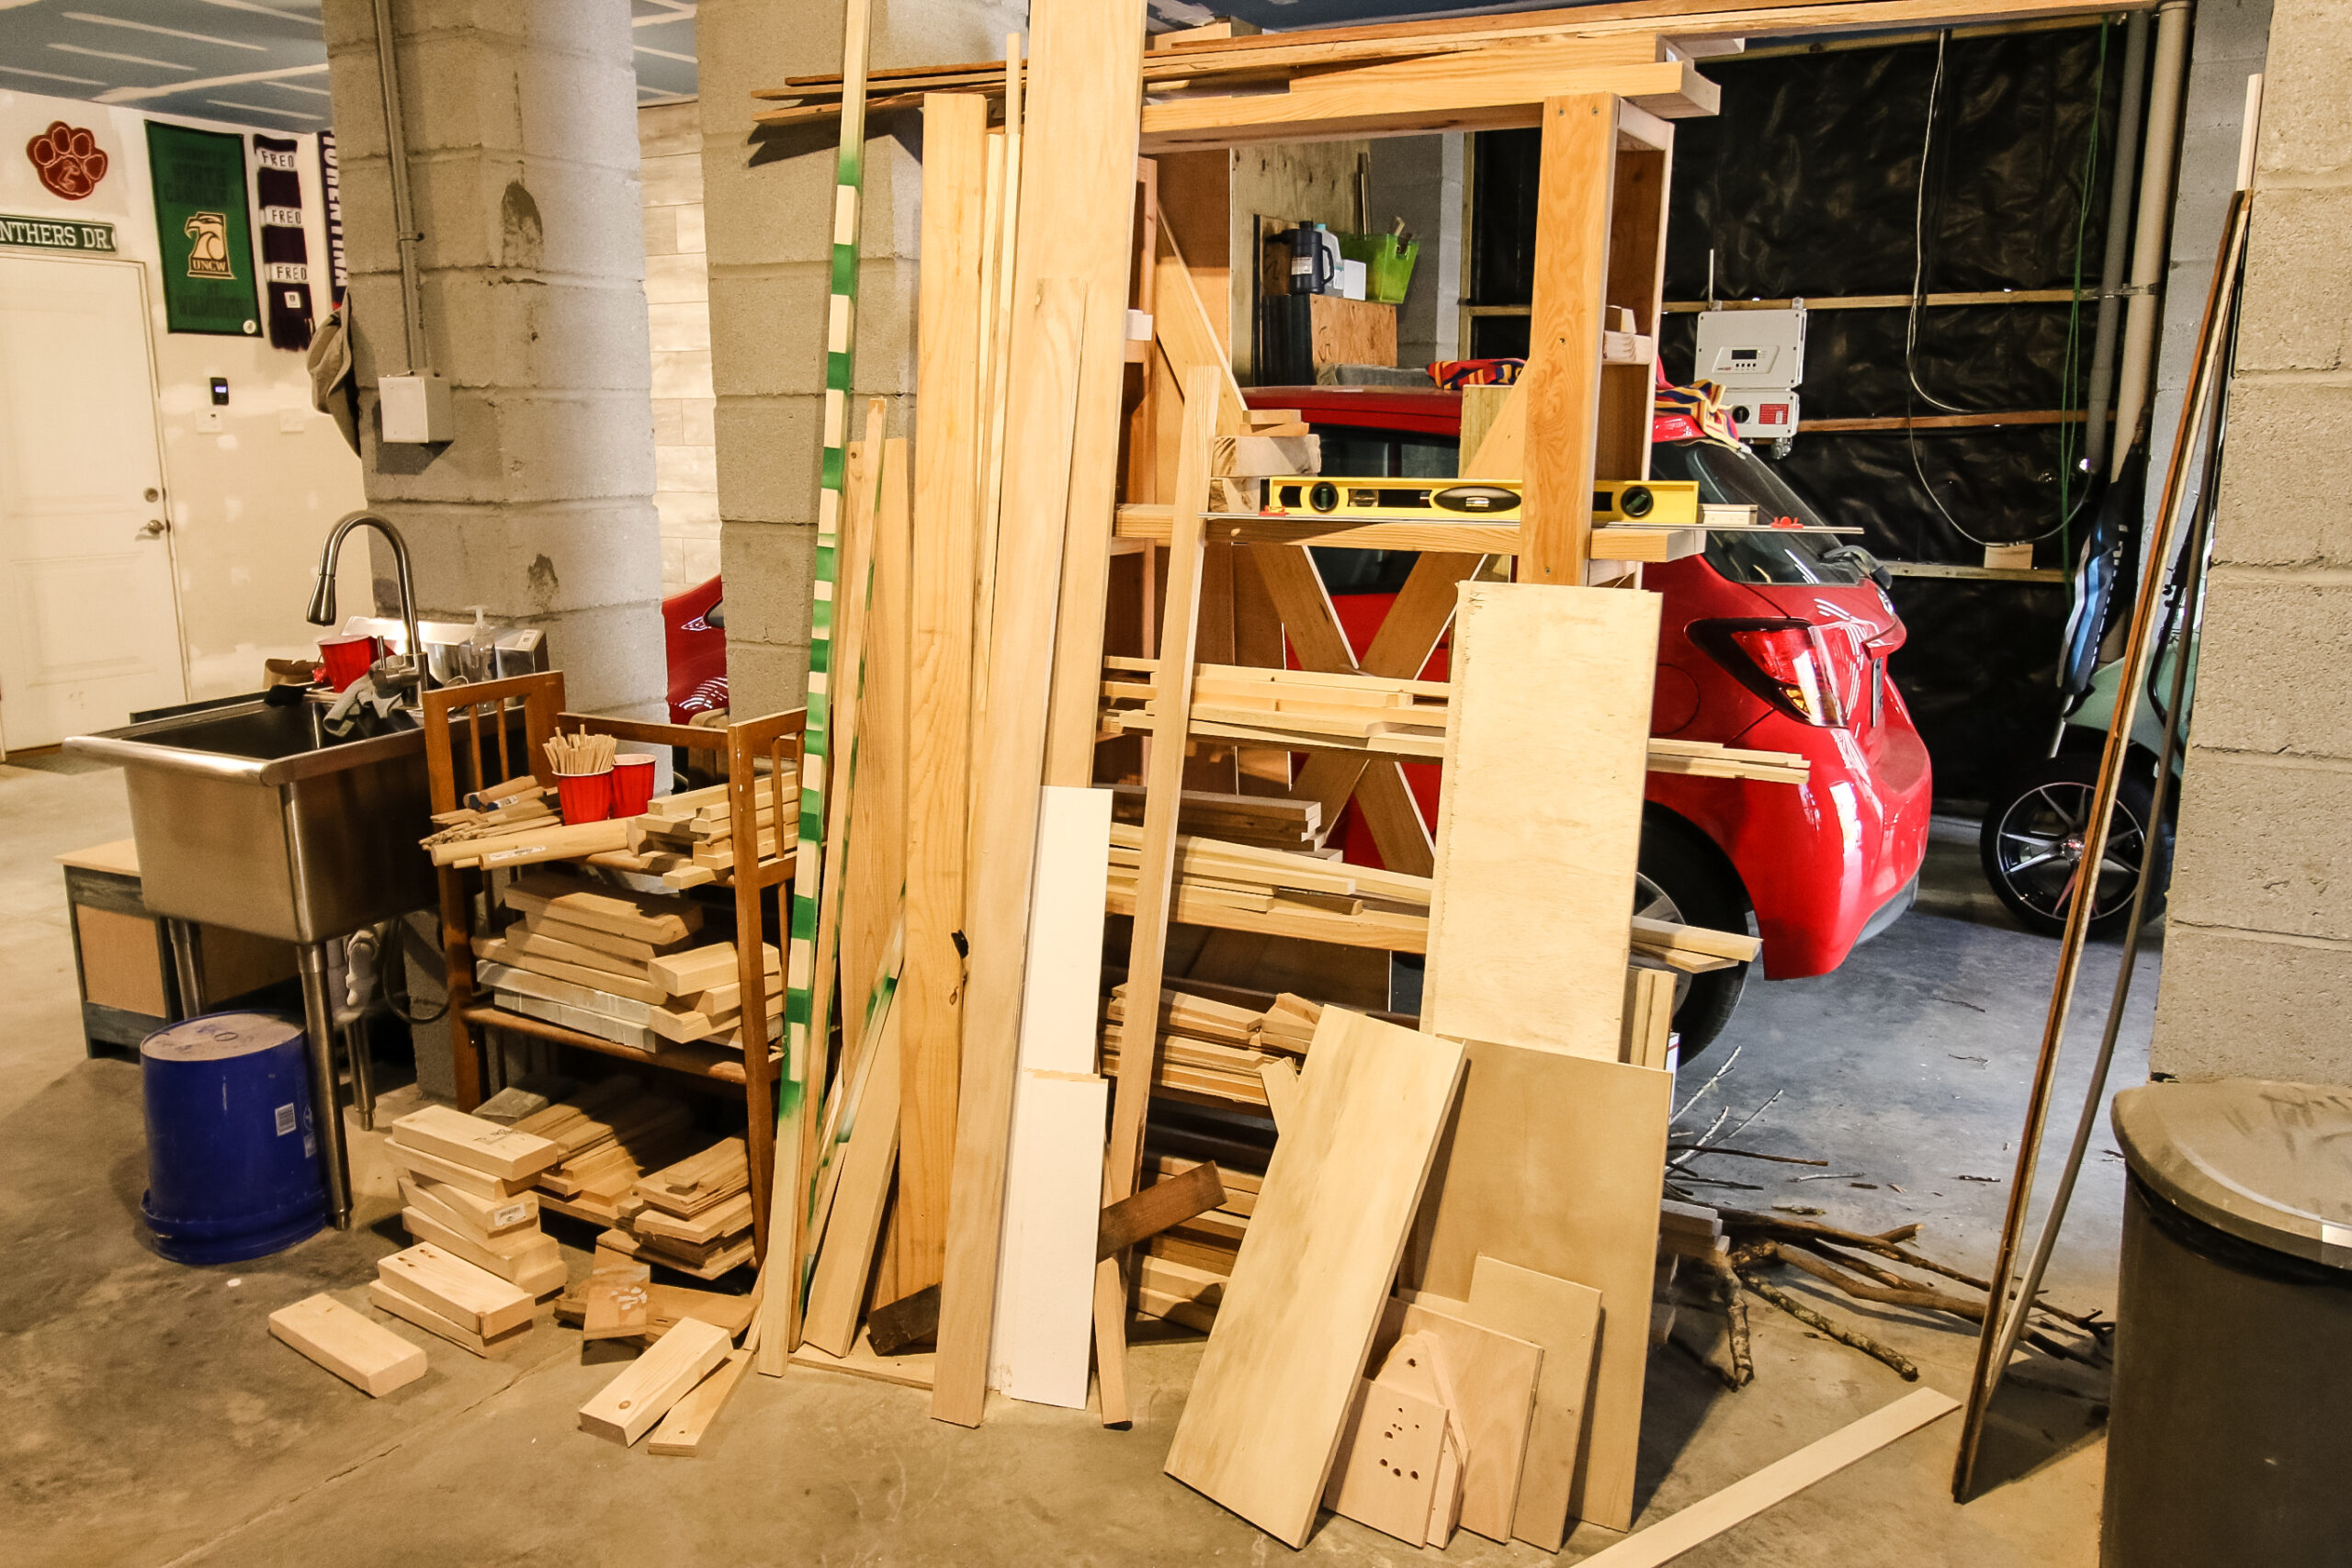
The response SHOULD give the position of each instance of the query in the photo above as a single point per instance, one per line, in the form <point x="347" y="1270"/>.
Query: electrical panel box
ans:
<point x="416" y="410"/>
<point x="1757" y="357"/>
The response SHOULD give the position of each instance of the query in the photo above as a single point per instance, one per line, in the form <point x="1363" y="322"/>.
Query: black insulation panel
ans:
<point x="1807" y="184"/>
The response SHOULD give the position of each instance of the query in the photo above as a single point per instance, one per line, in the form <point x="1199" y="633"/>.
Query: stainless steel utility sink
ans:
<point x="245" y="816"/>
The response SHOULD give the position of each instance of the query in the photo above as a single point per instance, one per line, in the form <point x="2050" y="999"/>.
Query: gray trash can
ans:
<point x="2230" y="1437"/>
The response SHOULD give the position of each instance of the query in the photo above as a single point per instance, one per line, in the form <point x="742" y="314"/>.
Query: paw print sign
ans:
<point x="68" y="160"/>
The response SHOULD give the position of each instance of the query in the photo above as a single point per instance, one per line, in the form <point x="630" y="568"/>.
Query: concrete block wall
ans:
<point x="768" y="204"/>
<point x="677" y="305"/>
<point x="521" y="123"/>
<point x="2257" y="976"/>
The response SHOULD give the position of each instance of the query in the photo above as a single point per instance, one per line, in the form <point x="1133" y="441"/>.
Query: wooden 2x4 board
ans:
<point x="1308" y="1286"/>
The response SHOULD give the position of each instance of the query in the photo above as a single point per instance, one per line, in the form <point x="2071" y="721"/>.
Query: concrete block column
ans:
<point x="2258" y="940"/>
<point x="767" y="206"/>
<point x="520" y="123"/>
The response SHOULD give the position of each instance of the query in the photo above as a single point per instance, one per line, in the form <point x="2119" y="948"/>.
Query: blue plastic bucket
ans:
<point x="232" y="1168"/>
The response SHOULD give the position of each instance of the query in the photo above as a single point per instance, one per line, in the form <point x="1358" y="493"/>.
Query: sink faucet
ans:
<point x="322" y="610"/>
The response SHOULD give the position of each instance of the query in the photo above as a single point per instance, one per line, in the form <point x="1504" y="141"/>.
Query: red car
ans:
<point x="694" y="631"/>
<point x="1775" y="641"/>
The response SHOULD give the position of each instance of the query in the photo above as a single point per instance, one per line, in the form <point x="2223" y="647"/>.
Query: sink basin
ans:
<point x="245" y="817"/>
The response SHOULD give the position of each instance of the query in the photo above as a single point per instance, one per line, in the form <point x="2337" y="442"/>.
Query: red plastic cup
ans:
<point x="584" y="797"/>
<point x="349" y="657"/>
<point x="632" y="782"/>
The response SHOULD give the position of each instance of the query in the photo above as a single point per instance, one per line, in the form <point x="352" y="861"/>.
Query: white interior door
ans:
<point x="89" y="621"/>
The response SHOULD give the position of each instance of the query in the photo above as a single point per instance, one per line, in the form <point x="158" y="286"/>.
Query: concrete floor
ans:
<point x="153" y="1421"/>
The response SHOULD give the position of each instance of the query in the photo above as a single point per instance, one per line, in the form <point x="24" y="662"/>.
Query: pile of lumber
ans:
<point x="1213" y="1050"/>
<point x="624" y="966"/>
<point x="688" y="840"/>
<point x="1313" y="710"/>
<point x="444" y="1294"/>
<point x="523" y="828"/>
<point x="694" y="1216"/>
<point x="607" y="1134"/>
<point x="690" y="1363"/>
<point x="1261" y="821"/>
<point x="1242" y="888"/>
<point x="464" y="1188"/>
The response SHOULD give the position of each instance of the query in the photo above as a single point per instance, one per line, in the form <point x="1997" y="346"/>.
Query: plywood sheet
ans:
<point x="1551" y="1162"/>
<point x="1296" y="1323"/>
<point x="1564" y="1318"/>
<point x="1539" y="829"/>
<point x="1494" y="1376"/>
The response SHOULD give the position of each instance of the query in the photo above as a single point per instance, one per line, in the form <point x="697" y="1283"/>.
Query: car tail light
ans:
<point x="1791" y="664"/>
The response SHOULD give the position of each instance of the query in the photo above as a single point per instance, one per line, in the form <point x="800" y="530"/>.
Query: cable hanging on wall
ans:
<point x="2069" y="506"/>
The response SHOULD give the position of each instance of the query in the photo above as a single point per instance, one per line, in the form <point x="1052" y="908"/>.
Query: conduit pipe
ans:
<point x="2128" y="127"/>
<point x="2149" y="245"/>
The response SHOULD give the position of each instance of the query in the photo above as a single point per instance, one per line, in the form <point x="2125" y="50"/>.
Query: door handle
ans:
<point x="156" y="528"/>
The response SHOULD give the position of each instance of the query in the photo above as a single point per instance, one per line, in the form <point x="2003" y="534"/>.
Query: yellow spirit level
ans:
<point x="1651" y="504"/>
<point x="1657" y="503"/>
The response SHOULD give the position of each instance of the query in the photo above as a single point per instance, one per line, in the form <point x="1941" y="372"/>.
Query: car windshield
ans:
<point x="1732" y="476"/>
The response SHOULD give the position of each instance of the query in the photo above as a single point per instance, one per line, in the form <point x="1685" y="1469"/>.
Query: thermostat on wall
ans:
<point x="415" y="410"/>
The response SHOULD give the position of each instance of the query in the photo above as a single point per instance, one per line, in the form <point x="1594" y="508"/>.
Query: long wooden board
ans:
<point x="939" y="700"/>
<point x="1263" y="1422"/>
<point x="1152" y="905"/>
<point x="1047" y="342"/>
<point x="845" y="1257"/>
<point x="1775" y="1482"/>
<point x="1552" y="1163"/>
<point x="1045" y="1269"/>
<point x="1080" y="156"/>
<point x="1545" y="747"/>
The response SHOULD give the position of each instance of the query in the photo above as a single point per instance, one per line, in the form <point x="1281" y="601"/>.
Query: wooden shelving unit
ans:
<point x="482" y="735"/>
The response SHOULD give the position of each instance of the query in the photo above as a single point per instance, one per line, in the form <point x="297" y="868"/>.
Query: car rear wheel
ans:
<point x="1685" y="882"/>
<point x="2031" y="844"/>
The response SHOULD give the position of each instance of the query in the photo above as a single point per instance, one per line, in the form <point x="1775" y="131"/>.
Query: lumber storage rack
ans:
<point x="482" y="735"/>
<point x="1085" y="516"/>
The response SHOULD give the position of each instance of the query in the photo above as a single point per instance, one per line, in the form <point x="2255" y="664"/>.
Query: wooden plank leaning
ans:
<point x="1267" y="1409"/>
<point x="1083" y="123"/>
<point x="1154" y="874"/>
<point x="939" y="714"/>
<point x="1068" y="355"/>
<point x="1007" y="776"/>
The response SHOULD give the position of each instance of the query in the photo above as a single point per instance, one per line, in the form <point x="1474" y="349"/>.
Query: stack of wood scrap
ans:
<point x="694" y="1216"/>
<point x="1261" y="821"/>
<point x="690" y="1364"/>
<point x="623" y="967"/>
<point x="1238" y="887"/>
<point x="621" y="1300"/>
<point x="608" y="1136"/>
<point x="1216" y="1050"/>
<point x="1313" y="710"/>
<point x="444" y="1294"/>
<point x="503" y="821"/>
<point x="688" y="840"/>
<point x="464" y="1187"/>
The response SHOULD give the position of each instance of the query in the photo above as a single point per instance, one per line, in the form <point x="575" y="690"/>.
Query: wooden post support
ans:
<point x="1575" y="197"/>
<point x="1156" y="868"/>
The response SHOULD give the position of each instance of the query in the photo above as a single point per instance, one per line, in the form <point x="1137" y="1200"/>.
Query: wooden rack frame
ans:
<point x="521" y="713"/>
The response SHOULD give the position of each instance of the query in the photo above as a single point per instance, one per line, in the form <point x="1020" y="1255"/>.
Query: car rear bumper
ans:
<point x="1823" y="861"/>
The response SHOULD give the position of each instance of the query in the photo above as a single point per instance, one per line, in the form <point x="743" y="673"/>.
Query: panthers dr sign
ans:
<point x="57" y="235"/>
